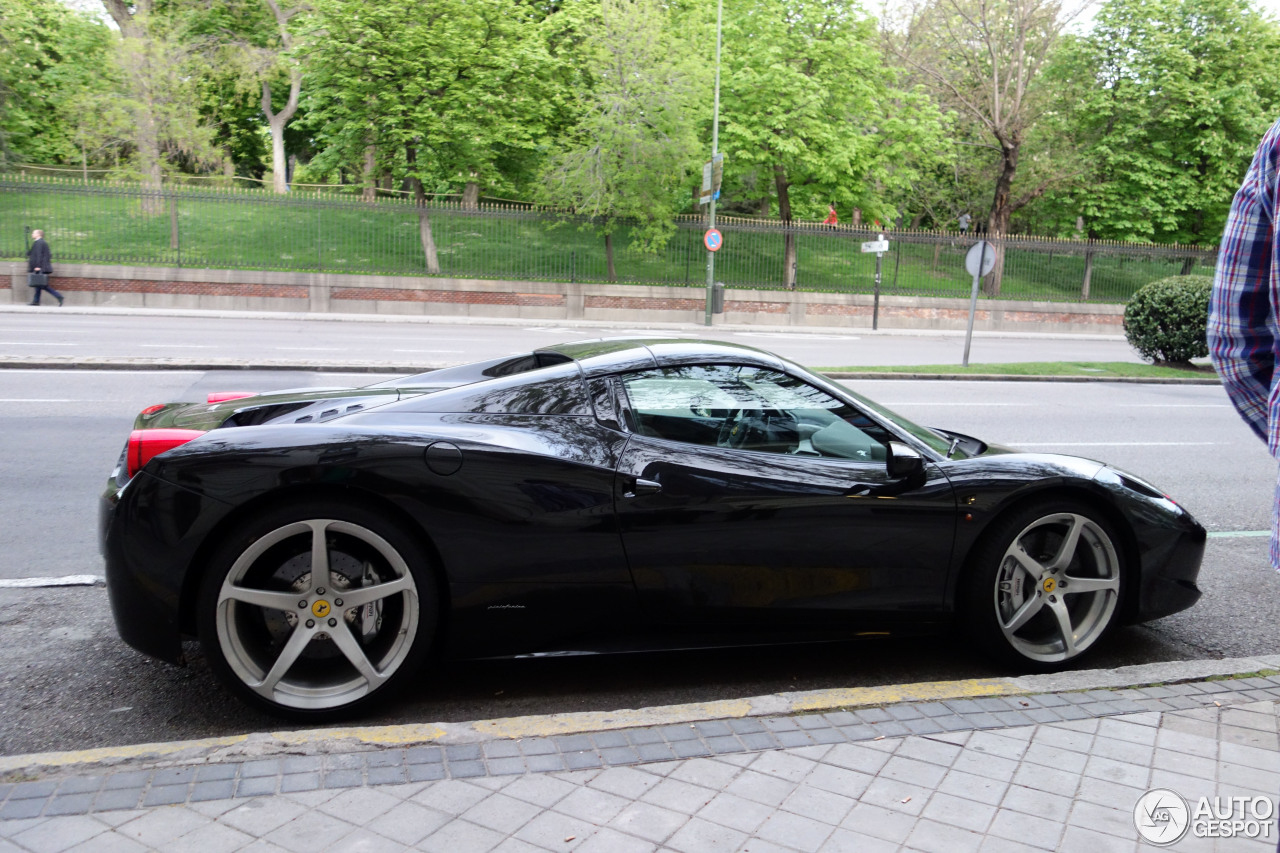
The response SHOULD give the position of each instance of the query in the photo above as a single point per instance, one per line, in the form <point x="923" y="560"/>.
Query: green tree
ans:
<point x="808" y="106"/>
<point x="1172" y="96"/>
<point x="153" y="116"/>
<point x="51" y="58"/>
<point x="431" y="92"/>
<point x="985" y="60"/>
<point x="635" y="145"/>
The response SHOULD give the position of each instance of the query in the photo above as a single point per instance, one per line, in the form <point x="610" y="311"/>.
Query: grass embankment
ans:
<point x="1096" y="369"/>
<point x="258" y="230"/>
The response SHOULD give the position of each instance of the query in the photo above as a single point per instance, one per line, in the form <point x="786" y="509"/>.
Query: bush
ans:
<point x="1165" y="320"/>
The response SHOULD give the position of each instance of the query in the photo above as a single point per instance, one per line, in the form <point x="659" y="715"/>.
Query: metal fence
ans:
<point x="96" y="222"/>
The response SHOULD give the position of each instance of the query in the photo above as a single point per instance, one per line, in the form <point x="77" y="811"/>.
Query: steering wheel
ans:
<point x="733" y="431"/>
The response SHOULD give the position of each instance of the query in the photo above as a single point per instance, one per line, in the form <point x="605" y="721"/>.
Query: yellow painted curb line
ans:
<point x="533" y="726"/>
<point x="599" y="721"/>
<point x="925" y="691"/>
<point x="114" y="753"/>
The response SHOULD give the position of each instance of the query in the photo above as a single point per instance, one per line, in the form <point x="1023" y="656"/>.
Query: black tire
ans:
<point x="315" y="649"/>
<point x="1045" y="585"/>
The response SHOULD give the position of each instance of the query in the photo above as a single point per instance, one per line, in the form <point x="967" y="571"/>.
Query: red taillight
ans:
<point x="145" y="444"/>
<point x="151" y="410"/>
<point x="224" y="396"/>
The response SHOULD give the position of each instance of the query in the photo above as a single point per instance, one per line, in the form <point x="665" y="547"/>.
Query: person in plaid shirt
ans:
<point x="1243" y="330"/>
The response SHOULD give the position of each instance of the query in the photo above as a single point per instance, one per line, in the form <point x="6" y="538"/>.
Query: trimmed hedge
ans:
<point x="1165" y="320"/>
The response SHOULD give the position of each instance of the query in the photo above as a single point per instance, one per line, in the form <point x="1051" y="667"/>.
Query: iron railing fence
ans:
<point x="109" y="223"/>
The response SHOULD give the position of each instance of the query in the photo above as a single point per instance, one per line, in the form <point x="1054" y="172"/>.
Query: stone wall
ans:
<point x="155" y="287"/>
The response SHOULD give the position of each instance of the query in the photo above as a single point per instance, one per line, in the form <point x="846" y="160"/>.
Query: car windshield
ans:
<point x="931" y="438"/>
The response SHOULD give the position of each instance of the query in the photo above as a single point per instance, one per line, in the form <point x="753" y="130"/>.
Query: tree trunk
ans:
<point x="424" y="220"/>
<point x="471" y="196"/>
<point x="173" y="223"/>
<point x="790" y="259"/>
<point x="856" y="220"/>
<point x="135" y="46"/>
<point x="276" y="123"/>
<point x="764" y="206"/>
<point x="1001" y="212"/>
<point x="1088" y="275"/>
<point x="370" y="179"/>
<point x="608" y="258"/>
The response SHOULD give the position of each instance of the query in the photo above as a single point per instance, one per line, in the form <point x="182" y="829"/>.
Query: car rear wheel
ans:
<point x="313" y="611"/>
<point x="1046" y="585"/>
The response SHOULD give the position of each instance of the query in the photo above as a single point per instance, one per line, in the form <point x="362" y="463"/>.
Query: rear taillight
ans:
<point x="151" y="410"/>
<point x="145" y="444"/>
<point x="224" y="396"/>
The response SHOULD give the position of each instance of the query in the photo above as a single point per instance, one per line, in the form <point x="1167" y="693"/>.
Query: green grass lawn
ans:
<point x="1098" y="369"/>
<point x="258" y="230"/>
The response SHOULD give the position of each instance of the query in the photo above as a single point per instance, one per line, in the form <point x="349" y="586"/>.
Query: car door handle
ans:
<point x="642" y="487"/>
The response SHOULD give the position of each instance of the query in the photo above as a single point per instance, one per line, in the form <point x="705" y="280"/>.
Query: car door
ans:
<point x="749" y="498"/>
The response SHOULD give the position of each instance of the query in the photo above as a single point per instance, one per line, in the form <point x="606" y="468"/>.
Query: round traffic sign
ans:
<point x="713" y="240"/>
<point x="981" y="258"/>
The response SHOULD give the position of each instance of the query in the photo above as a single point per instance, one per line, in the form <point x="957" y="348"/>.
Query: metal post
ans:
<point x="875" y="311"/>
<point x="973" y="304"/>
<point x="715" y="143"/>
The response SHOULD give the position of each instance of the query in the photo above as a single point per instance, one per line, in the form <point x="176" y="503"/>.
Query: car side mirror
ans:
<point x="902" y="462"/>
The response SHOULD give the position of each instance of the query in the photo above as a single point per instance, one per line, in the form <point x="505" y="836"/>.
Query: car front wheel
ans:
<point x="312" y="611"/>
<point x="1046" y="585"/>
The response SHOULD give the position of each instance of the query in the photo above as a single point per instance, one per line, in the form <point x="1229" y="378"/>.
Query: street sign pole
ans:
<point x="715" y="145"/>
<point x="979" y="261"/>
<point x="879" y="246"/>
<point x="875" y="311"/>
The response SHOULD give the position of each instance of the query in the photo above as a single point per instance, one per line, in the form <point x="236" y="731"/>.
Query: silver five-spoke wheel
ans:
<point x="1048" y="584"/>
<point x="315" y="614"/>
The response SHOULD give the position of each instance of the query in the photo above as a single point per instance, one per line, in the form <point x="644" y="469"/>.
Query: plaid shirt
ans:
<point x="1243" y="330"/>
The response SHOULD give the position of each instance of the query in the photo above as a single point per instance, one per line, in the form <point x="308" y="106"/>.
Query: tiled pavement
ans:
<point x="1022" y="773"/>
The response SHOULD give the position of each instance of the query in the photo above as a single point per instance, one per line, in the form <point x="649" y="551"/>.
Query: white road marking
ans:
<point x="40" y="343"/>
<point x="50" y="400"/>
<point x="310" y="349"/>
<point x="1116" y="443"/>
<point x="447" y="351"/>
<point x="1234" y="534"/>
<point x="892" y="403"/>
<point x="1174" y="406"/>
<point x="178" y="346"/>
<point x="68" y="580"/>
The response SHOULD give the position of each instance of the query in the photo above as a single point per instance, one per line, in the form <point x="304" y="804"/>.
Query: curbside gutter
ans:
<point x="368" y="738"/>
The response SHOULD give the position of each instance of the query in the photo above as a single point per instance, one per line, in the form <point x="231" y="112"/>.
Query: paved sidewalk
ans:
<point x="1020" y="772"/>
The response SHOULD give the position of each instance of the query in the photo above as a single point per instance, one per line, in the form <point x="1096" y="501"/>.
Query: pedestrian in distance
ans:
<point x="964" y="222"/>
<point x="39" y="268"/>
<point x="1243" y="326"/>
<point x="832" y="219"/>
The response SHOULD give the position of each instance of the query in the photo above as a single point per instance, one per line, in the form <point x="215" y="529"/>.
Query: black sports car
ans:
<point x="606" y="495"/>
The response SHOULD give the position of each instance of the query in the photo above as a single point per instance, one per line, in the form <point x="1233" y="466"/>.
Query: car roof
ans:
<point x="608" y="355"/>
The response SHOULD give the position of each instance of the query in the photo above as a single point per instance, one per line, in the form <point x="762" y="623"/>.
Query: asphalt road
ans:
<point x="68" y="333"/>
<point x="67" y="682"/>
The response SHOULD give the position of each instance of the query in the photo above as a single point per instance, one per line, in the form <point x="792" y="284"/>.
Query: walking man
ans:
<point x="1243" y="329"/>
<point x="39" y="268"/>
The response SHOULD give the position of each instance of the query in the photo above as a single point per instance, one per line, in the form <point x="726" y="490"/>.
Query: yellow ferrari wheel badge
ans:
<point x="320" y="609"/>
<point x="1050" y="584"/>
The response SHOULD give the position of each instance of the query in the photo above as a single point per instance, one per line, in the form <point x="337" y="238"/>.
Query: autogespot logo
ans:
<point x="1162" y="817"/>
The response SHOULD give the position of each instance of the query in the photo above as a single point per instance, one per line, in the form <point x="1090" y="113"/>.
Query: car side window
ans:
<point x="749" y="408"/>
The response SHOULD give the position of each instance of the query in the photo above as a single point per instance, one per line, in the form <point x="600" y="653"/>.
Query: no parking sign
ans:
<point x="713" y="240"/>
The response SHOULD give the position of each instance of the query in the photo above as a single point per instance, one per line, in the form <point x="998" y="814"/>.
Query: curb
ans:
<point x="365" y="738"/>
<point x="388" y="367"/>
